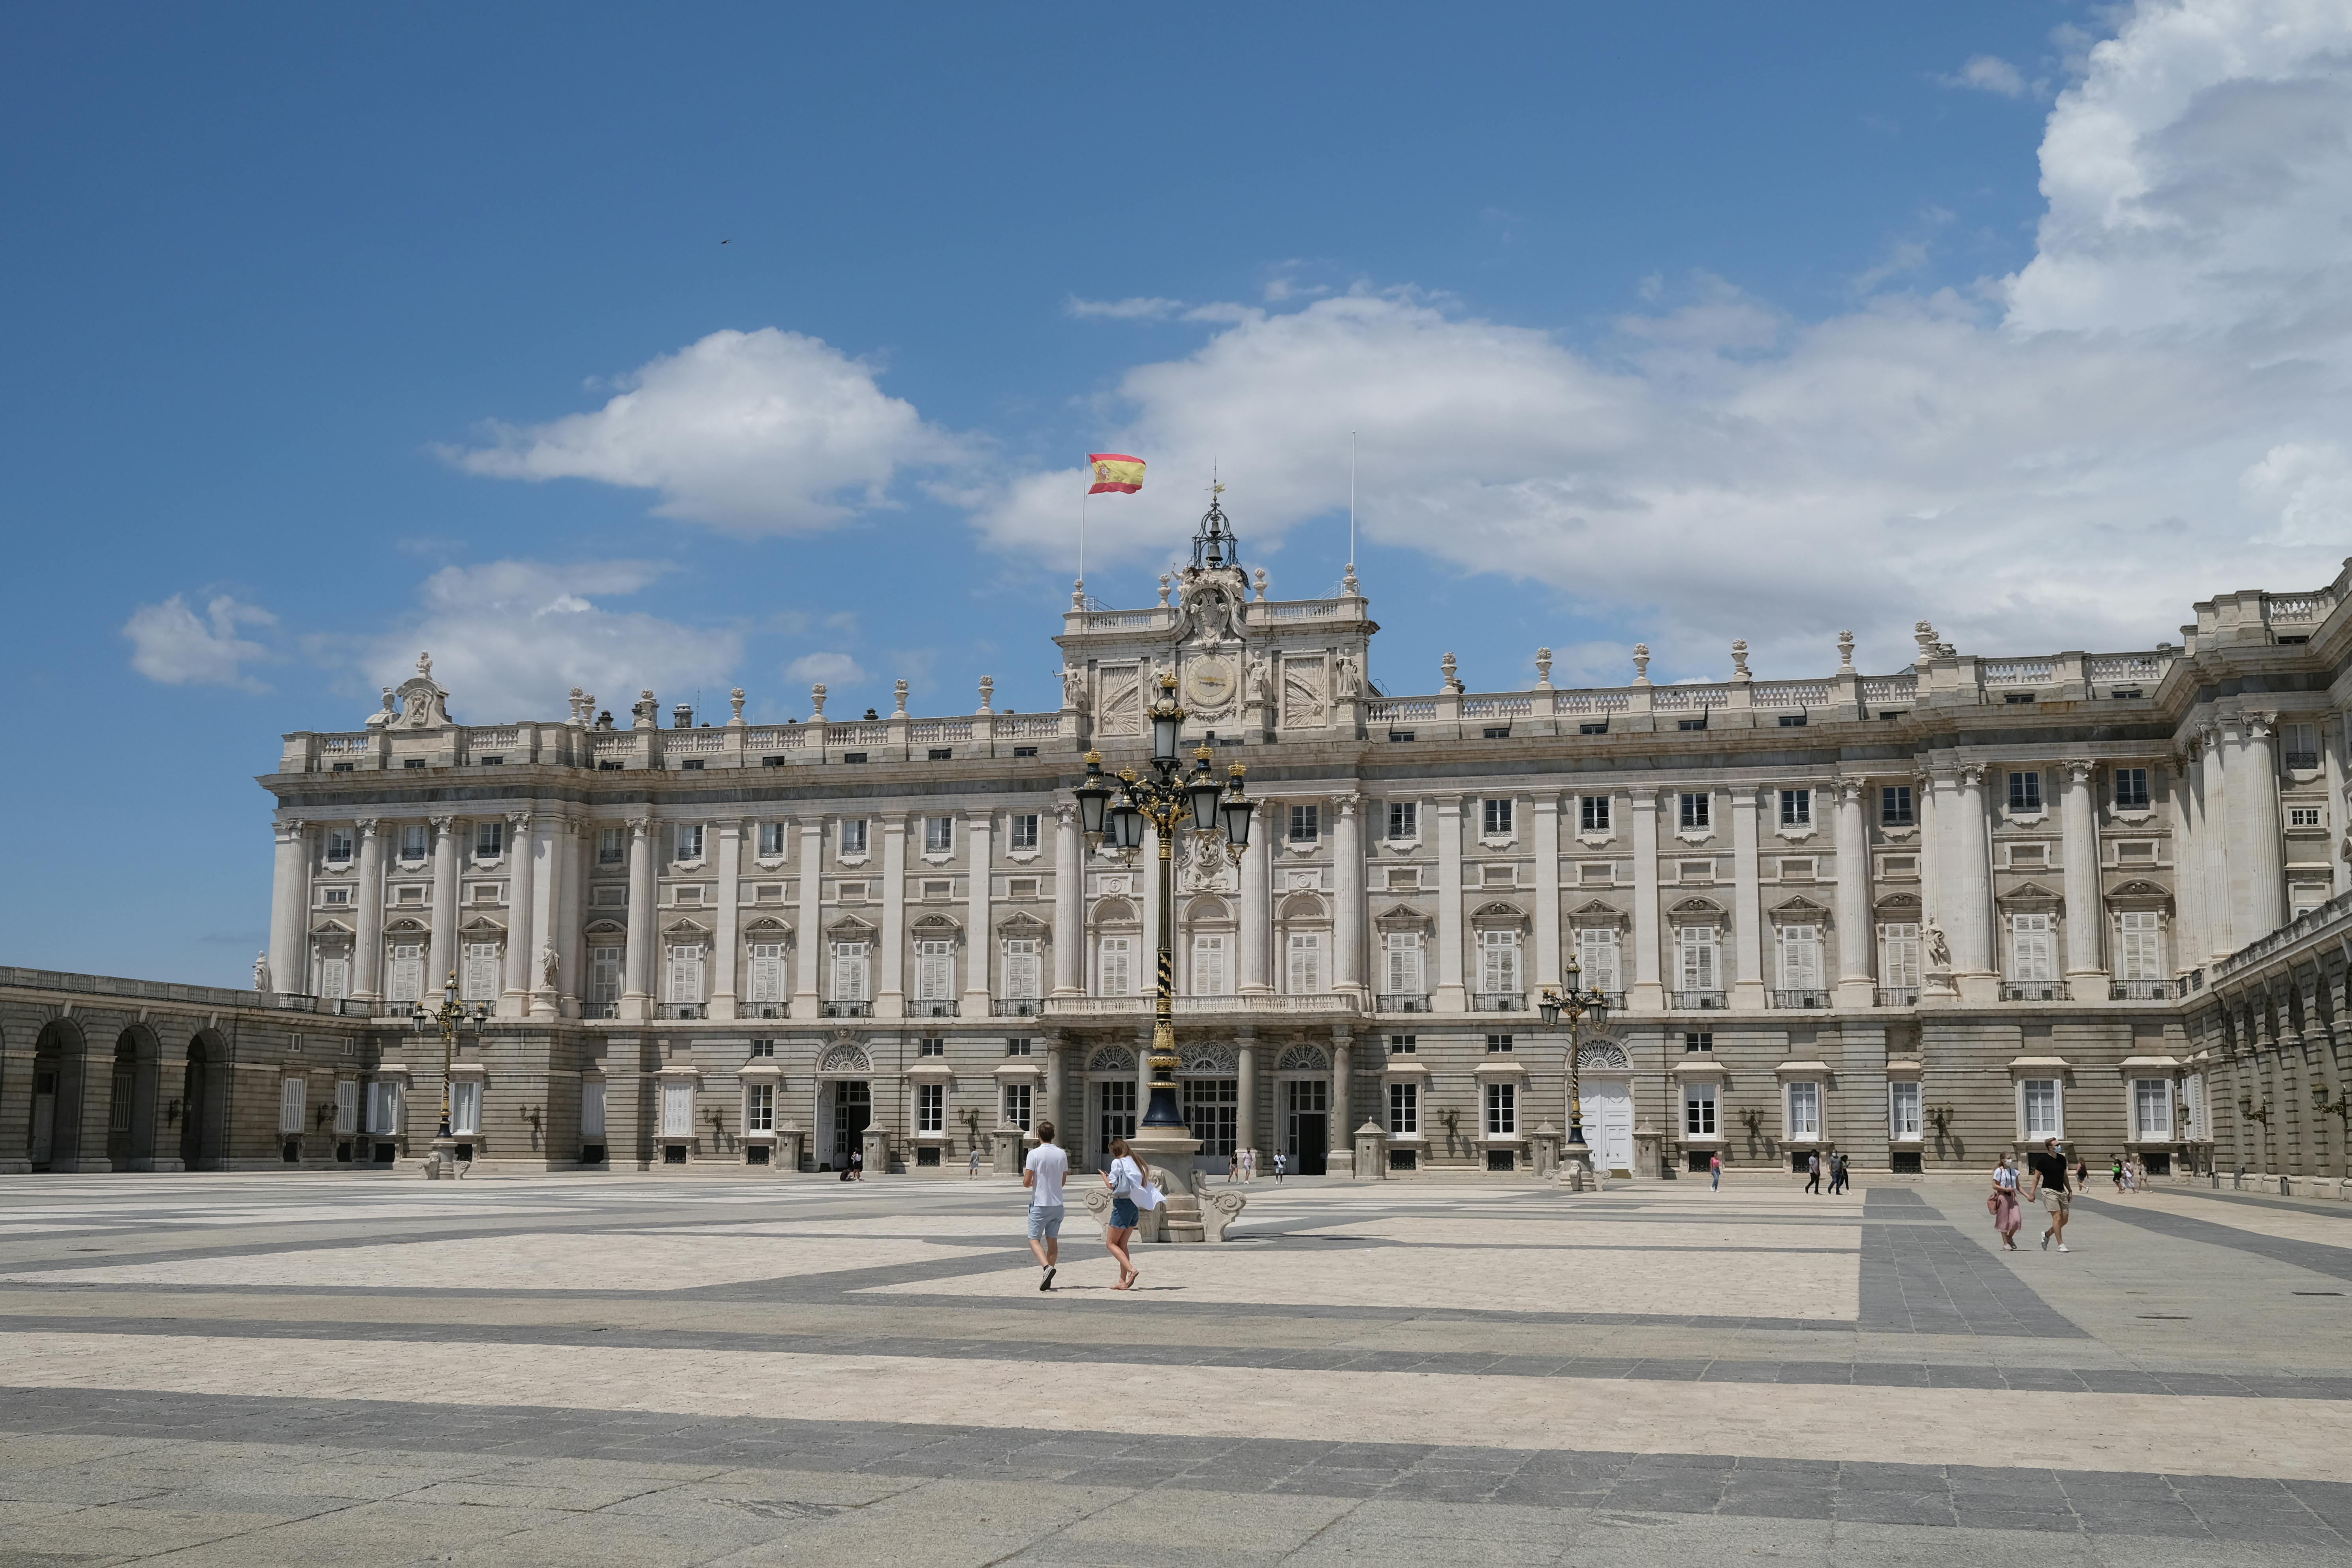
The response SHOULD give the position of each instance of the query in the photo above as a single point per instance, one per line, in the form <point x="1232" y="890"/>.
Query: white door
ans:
<point x="1608" y="1123"/>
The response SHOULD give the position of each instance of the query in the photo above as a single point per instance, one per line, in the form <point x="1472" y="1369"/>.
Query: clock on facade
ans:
<point x="1209" y="683"/>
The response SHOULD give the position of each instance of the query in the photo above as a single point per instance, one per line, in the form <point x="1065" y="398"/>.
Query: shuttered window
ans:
<point x="1801" y="958"/>
<point x="1596" y="957"/>
<point x="466" y="1107"/>
<point x="334" y="978"/>
<point x="685" y="974"/>
<point x="407" y="976"/>
<point x="591" y="1110"/>
<point x="604" y="974"/>
<point x="293" y="1099"/>
<point x="1404" y="963"/>
<point x="2139" y="947"/>
<point x="850" y="972"/>
<point x="1210" y="975"/>
<point x="1694" y="950"/>
<point x="1118" y="976"/>
<point x="678" y="1109"/>
<point x="1304" y="976"/>
<point x="1499" y="959"/>
<point x="480" y="973"/>
<point x="1022" y="979"/>
<point x="2033" y="949"/>
<point x="347" y="1105"/>
<point x="1902" y="966"/>
<point x="934" y="970"/>
<point x="767" y="972"/>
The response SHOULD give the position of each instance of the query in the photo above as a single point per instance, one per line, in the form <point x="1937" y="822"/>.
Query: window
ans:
<point x="2025" y="792"/>
<point x="1021" y="888"/>
<point x="1117" y="977"/>
<point x="334" y="978"/>
<point x="1498" y="961"/>
<point x="1502" y="1110"/>
<point x="2302" y="747"/>
<point x="1210" y="974"/>
<point x="1695" y="954"/>
<point x="1212" y="1109"/>
<point x="2033" y="949"/>
<point x="1903" y="1111"/>
<point x="689" y="841"/>
<point x="1698" y="1111"/>
<point x="418" y="763"/>
<point x="1019" y="1047"/>
<point x="480" y="971"/>
<point x="771" y="840"/>
<point x="1601" y="728"/>
<point x="2131" y="789"/>
<point x="2038" y="1100"/>
<point x="1596" y="955"/>
<point x="383" y="1107"/>
<point x="1306" y="824"/>
<point x="942" y="754"/>
<point x="759" y="1108"/>
<point x="1593" y="814"/>
<point x="1895" y="805"/>
<point x="1805" y="1111"/>
<point x="2151" y="1108"/>
<point x="489" y="840"/>
<point x="2139" y="945"/>
<point x="604" y="974"/>
<point x="934" y="970"/>
<point x="1023" y="980"/>
<point x="767" y="972"/>
<point x="1404" y="1044"/>
<point x="1016" y="1105"/>
<point x="1306" y="966"/>
<point x="1494" y="818"/>
<point x="1405" y="819"/>
<point x="336" y="898"/>
<point x="611" y="846"/>
<point x="466" y="1107"/>
<point x="2297" y="816"/>
<point x="1801" y="958"/>
<point x="293" y="1099"/>
<point x="1690" y="723"/>
<point x="1404" y="1109"/>
<point x="1793" y="721"/>
<point x="1696" y="817"/>
<point x="591" y="1112"/>
<point x="853" y="838"/>
<point x="1498" y="1044"/>
<point x="1900" y="967"/>
<point x="1023" y="832"/>
<point x="1695" y="1040"/>
<point x="677" y="1109"/>
<point x="339" y="844"/>
<point x="1404" y="962"/>
<point x="1796" y="808"/>
<point x="931" y="1046"/>
<point x="763" y="1047"/>
<point x="406" y="981"/>
<point x="850" y="971"/>
<point x="939" y="836"/>
<point x="413" y="841"/>
<point x="685" y="972"/>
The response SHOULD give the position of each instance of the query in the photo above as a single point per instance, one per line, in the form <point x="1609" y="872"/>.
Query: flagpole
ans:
<point x="1352" y="500"/>
<point x="1082" y="538"/>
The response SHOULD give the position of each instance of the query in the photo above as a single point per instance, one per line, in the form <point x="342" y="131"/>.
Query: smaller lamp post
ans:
<point x="1577" y="1003"/>
<point x="448" y="1018"/>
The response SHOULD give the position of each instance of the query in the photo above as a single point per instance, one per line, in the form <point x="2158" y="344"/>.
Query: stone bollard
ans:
<point x="1543" y="1148"/>
<point x="1372" y="1152"/>
<point x="1005" y="1150"/>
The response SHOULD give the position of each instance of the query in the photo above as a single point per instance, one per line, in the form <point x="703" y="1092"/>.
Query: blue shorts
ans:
<point x="1122" y="1214"/>
<point x="1045" y="1221"/>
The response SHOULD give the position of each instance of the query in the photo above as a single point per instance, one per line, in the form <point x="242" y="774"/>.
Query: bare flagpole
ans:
<point x="1352" y="500"/>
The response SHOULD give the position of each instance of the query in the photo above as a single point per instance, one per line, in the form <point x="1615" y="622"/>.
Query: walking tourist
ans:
<point x="2047" y="1167"/>
<point x="975" y="1161"/>
<point x="1281" y="1165"/>
<point x="1839" y="1177"/>
<point x="2007" y="1217"/>
<point x="1813" y="1174"/>
<point x="1130" y="1180"/>
<point x="1715" y="1171"/>
<point x="1249" y="1166"/>
<point x="2117" y="1175"/>
<point x="1043" y="1174"/>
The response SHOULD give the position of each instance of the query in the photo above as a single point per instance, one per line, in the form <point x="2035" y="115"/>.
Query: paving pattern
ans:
<point x="364" y="1368"/>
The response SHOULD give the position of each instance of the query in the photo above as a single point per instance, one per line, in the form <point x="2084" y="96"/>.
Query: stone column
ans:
<point x="637" y="982"/>
<point x="1070" y="903"/>
<point x="1256" y="875"/>
<point x="442" y="955"/>
<point x="2086" y="909"/>
<point x="514" y="995"/>
<point x="1748" y="903"/>
<point x="1449" y="995"/>
<point x="979" y="941"/>
<point x="725" y="941"/>
<point x="1857" y="935"/>
<point x="367" y="947"/>
<point x="577" y="841"/>
<point x="1246" y="1120"/>
<point x="550" y="847"/>
<point x="1339" y="1140"/>
<point x="2188" y="856"/>
<point x="1347" y="906"/>
<point x="1965" y="897"/>
<point x="1647" y="995"/>
<point x="1057" y="1089"/>
<point x="2213" y="804"/>
<point x="811" y="936"/>
<point x="289" y="912"/>
<point x="2332" y="743"/>
<point x="1546" y="969"/>
<point x="2262" y="867"/>
<point x="890" y="995"/>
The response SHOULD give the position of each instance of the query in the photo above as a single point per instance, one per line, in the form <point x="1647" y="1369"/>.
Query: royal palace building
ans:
<point x="1916" y="918"/>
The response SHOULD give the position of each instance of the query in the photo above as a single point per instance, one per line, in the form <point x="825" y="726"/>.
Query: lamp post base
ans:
<point x="443" y="1164"/>
<point x="1169" y="1152"/>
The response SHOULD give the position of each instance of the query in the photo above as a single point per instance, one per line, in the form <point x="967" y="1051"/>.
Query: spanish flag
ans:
<point x="1116" y="471"/>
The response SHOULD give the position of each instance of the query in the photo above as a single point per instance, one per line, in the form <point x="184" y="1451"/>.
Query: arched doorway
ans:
<point x="131" y="1100"/>
<point x="844" y="1104"/>
<point x="1605" y="1074"/>
<point x="1302" y="1080"/>
<point x="56" y="1126"/>
<point x="203" y="1103"/>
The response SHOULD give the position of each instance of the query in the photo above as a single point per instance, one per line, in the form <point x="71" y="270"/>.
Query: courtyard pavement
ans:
<point x="372" y="1369"/>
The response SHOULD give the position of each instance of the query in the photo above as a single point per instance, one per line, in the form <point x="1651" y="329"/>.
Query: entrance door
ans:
<point x="1113" y="1116"/>
<point x="1608" y="1123"/>
<point x="45" y="1117"/>
<point x="118" y="1111"/>
<point x="852" y="1111"/>
<point x="1308" y="1112"/>
<point x="191" y="1111"/>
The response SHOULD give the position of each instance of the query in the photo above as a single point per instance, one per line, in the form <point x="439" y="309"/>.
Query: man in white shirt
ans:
<point x="1046" y="1168"/>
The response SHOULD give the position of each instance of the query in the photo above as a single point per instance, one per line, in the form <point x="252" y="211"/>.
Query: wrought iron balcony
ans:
<point x="1016" y="1008"/>
<point x="2035" y="991"/>
<point x="681" y="1009"/>
<point x="932" y="1009"/>
<point x="1801" y="998"/>
<point x="1498" y="1001"/>
<point x="600" y="1009"/>
<point x="849" y="1009"/>
<point x="1403" y="1002"/>
<point x="1898" y="995"/>
<point x="1696" y="1001"/>
<point x="767" y="1010"/>
<point x="2141" y="991"/>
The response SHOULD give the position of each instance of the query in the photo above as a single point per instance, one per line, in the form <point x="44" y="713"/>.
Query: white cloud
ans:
<point x="511" y="638"/>
<point x="2054" y="458"/>
<point x="1135" y="310"/>
<point x="1987" y="73"/>
<point x="832" y="668"/>
<point x="171" y="643"/>
<point x="763" y="432"/>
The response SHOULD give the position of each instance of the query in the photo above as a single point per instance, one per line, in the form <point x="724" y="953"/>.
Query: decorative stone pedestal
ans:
<point x="878" y="1152"/>
<point x="443" y="1163"/>
<point x="1543" y="1149"/>
<point x="1372" y="1152"/>
<point x="1169" y="1152"/>
<point x="1005" y="1149"/>
<point x="1575" y="1168"/>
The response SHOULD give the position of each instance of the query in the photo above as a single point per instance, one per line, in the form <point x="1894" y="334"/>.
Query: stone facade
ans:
<point x="1915" y="917"/>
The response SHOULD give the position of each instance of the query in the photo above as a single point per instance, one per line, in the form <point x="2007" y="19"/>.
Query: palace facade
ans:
<point x="1915" y="917"/>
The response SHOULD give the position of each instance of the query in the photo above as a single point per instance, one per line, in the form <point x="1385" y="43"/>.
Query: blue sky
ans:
<point x="1673" y="323"/>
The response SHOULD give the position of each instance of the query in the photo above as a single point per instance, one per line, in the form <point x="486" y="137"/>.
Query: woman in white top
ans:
<point x="2006" y="1215"/>
<point x="1129" y="1182"/>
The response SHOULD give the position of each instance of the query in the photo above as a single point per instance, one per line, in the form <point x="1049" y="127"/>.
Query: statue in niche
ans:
<point x="1259" y="671"/>
<point x="1351" y="680"/>
<point x="1939" y="950"/>
<point x="549" y="961"/>
<point x="1073" y="689"/>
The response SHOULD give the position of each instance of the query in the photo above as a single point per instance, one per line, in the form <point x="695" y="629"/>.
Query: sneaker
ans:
<point x="2046" y="1241"/>
<point x="1047" y="1283"/>
<point x="2062" y="1246"/>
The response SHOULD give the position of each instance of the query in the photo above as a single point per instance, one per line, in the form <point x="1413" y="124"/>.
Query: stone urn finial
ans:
<point x="1543" y="669"/>
<point x="735" y="700"/>
<point x="1079" y="594"/>
<point x="1453" y="683"/>
<point x="1740" y="659"/>
<point x="1348" y="582"/>
<point x="1845" y="653"/>
<point x="816" y="701"/>
<point x="898" y="692"/>
<point x="1640" y="663"/>
<point x="1924" y="635"/>
<point x="987" y="693"/>
<point x="1261" y="584"/>
<point x="1165" y="579"/>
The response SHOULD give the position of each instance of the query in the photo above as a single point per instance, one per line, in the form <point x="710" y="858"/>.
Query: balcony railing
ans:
<point x="2302" y="761"/>
<point x="932" y="1009"/>
<point x="2141" y="991"/>
<point x="2035" y="991"/>
<point x="849" y="1009"/>
<point x="767" y="1010"/>
<point x="1696" y="1001"/>
<point x="1016" y="1008"/>
<point x="1801" y="998"/>
<point x="681" y="1009"/>
<point x="600" y="1009"/>
<point x="1898" y="995"/>
<point x="1498" y="1001"/>
<point x="1403" y="1002"/>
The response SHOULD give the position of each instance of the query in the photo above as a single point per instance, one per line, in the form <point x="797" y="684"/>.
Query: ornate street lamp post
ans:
<point x="448" y="1018"/>
<point x="1114" y="813"/>
<point x="1577" y="1003"/>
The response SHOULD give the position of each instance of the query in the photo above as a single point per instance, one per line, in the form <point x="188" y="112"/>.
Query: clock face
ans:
<point x="1209" y="683"/>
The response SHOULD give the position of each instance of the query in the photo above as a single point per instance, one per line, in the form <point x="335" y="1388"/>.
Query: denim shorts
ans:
<point x="1045" y="1221"/>
<point x="1122" y="1214"/>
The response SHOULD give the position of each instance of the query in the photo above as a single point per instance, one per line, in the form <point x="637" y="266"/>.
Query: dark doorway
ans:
<point x="1113" y="1116"/>
<point x="853" y="1113"/>
<point x="1308" y="1116"/>
<point x="204" y="1103"/>
<point x="120" y="1096"/>
<point x="58" y="1067"/>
